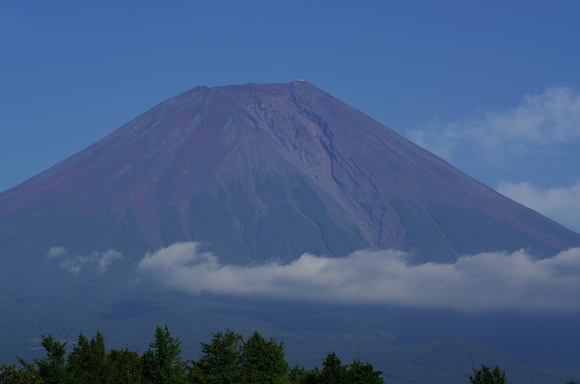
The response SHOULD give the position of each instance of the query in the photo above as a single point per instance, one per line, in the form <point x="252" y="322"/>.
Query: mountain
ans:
<point x="257" y="172"/>
<point x="268" y="172"/>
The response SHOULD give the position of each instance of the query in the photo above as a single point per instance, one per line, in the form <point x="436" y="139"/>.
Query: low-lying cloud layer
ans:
<point x="484" y="282"/>
<point x="100" y="261"/>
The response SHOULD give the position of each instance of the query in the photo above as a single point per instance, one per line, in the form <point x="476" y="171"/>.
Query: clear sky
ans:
<point x="492" y="87"/>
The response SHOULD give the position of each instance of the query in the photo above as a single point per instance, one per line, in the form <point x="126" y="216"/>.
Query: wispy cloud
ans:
<point x="100" y="261"/>
<point x="55" y="252"/>
<point x="561" y="204"/>
<point x="541" y="119"/>
<point x="484" y="282"/>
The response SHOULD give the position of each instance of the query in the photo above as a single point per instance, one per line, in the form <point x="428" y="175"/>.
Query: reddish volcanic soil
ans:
<point x="264" y="165"/>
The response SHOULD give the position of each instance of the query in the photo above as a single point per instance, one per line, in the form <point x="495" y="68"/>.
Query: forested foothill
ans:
<point x="227" y="359"/>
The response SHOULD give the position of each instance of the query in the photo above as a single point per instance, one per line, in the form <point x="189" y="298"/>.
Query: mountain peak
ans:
<point x="257" y="171"/>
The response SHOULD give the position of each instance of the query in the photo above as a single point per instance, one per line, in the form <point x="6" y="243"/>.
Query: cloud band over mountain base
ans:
<point x="483" y="282"/>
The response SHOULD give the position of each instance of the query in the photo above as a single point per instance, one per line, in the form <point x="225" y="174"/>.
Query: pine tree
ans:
<point x="162" y="362"/>
<point x="126" y="366"/>
<point x="51" y="368"/>
<point x="220" y="360"/>
<point x="262" y="361"/>
<point x="87" y="362"/>
<point x="363" y="373"/>
<point x="332" y="371"/>
<point x="486" y="375"/>
<point x="9" y="374"/>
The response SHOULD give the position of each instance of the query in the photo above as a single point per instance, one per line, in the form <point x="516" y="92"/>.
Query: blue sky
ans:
<point x="493" y="88"/>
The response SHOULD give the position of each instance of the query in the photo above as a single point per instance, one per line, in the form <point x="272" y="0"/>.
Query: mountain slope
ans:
<point x="265" y="171"/>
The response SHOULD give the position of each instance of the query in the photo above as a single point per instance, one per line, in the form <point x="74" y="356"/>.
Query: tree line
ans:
<point x="227" y="359"/>
<point x="487" y="375"/>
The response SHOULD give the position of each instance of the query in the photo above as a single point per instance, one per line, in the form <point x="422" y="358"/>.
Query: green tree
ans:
<point x="52" y="368"/>
<point x="9" y="374"/>
<point x="227" y="359"/>
<point x="126" y="366"/>
<point x="298" y="375"/>
<point x="363" y="373"/>
<point x="262" y="361"/>
<point x="332" y="371"/>
<point x="87" y="362"/>
<point x="162" y="362"/>
<point x="486" y="375"/>
<point x="220" y="360"/>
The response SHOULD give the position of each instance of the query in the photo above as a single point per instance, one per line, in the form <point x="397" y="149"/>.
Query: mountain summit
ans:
<point x="262" y="171"/>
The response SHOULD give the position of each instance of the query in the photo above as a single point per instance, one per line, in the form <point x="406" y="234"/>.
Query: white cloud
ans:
<point x="56" y="252"/>
<point x="106" y="259"/>
<point x="100" y="260"/>
<point x="484" y="282"/>
<point x="561" y="204"/>
<point x="544" y="119"/>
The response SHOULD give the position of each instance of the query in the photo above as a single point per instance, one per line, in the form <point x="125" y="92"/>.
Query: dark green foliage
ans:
<point x="486" y="375"/>
<point x="9" y="374"/>
<point x="262" y="361"/>
<point x="51" y="368"/>
<point x="87" y="363"/>
<point x="220" y="359"/>
<point x="230" y="359"/>
<point x="126" y="366"/>
<point x="299" y="375"/>
<point x="162" y="362"/>
<point x="226" y="359"/>
<point x="363" y="373"/>
<point x="333" y="372"/>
